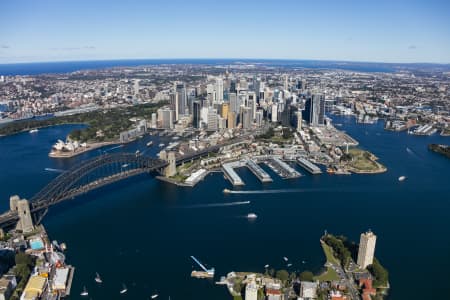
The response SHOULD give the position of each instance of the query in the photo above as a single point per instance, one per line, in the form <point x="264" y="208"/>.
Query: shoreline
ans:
<point x="89" y="147"/>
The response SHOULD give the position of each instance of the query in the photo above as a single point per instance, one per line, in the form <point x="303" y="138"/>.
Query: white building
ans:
<point x="251" y="291"/>
<point x="308" y="289"/>
<point x="366" y="249"/>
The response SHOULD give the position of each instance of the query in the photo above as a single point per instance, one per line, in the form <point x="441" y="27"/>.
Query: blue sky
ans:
<point x="382" y="31"/>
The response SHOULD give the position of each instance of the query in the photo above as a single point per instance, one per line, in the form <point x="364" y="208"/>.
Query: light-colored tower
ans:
<point x="299" y="121"/>
<point x="366" y="249"/>
<point x="22" y="207"/>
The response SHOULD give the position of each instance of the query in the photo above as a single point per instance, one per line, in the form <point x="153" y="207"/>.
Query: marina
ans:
<point x="280" y="167"/>
<point x="258" y="171"/>
<point x="308" y="166"/>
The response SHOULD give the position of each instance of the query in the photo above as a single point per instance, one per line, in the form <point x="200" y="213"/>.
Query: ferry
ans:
<point x="226" y="191"/>
<point x="251" y="216"/>
<point x="34" y="130"/>
<point x="149" y="143"/>
<point x="401" y="178"/>
<point x="84" y="293"/>
<point x="98" y="278"/>
<point x="124" y="289"/>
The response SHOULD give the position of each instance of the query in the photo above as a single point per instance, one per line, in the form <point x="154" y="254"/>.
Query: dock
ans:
<point x="308" y="166"/>
<point x="258" y="171"/>
<point x="231" y="175"/>
<point x="284" y="170"/>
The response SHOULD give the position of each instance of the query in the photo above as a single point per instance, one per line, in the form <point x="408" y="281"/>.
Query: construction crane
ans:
<point x="209" y="271"/>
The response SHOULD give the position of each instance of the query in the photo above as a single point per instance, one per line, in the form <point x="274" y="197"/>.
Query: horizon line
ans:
<point x="223" y="58"/>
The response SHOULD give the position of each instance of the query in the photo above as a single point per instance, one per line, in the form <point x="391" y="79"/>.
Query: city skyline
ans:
<point x="346" y="31"/>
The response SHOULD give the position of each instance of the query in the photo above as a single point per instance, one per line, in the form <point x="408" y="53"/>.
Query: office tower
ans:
<point x="274" y="112"/>
<point x="259" y="118"/>
<point x="276" y="95"/>
<point x="251" y="102"/>
<point x="231" y="120"/>
<point x="233" y="102"/>
<point x="257" y="88"/>
<point x="299" y="121"/>
<point x="219" y="90"/>
<point x="286" y="83"/>
<point x="233" y="86"/>
<point x="314" y="112"/>
<point x="181" y="93"/>
<point x="153" y="120"/>
<point x="243" y="84"/>
<point x="165" y="118"/>
<point x="246" y="118"/>
<point x="366" y="249"/>
<point x="174" y="104"/>
<point x="222" y="123"/>
<point x="212" y="119"/>
<point x="196" y="114"/>
<point x="224" y="111"/>
<point x="318" y="116"/>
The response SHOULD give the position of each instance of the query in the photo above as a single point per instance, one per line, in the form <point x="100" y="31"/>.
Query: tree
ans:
<point x="283" y="275"/>
<point x="24" y="259"/>
<point x="306" y="276"/>
<point x="381" y="274"/>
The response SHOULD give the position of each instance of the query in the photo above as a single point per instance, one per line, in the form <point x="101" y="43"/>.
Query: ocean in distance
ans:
<point x="141" y="231"/>
<point x="71" y="66"/>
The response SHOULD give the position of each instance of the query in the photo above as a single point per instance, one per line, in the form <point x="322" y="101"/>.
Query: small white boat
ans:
<point x="285" y="258"/>
<point x="125" y="165"/>
<point x="124" y="289"/>
<point x="154" y="296"/>
<point x="98" y="279"/>
<point x="34" y="130"/>
<point x="251" y="216"/>
<point x="84" y="293"/>
<point x="149" y="144"/>
<point x="401" y="178"/>
<point x="289" y="265"/>
<point x="161" y="145"/>
<point x="266" y="266"/>
<point x="137" y="152"/>
<point x="303" y="262"/>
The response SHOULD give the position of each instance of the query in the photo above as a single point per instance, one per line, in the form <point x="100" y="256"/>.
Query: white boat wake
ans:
<point x="217" y="204"/>
<point x="269" y="191"/>
<point x="116" y="147"/>
<point x="54" y="170"/>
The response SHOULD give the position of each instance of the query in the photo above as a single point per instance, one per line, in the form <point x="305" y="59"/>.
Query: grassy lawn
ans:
<point x="237" y="298"/>
<point x="330" y="274"/>
<point x="363" y="160"/>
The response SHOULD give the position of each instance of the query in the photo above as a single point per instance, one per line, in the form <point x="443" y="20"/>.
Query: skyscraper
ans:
<point x="219" y="90"/>
<point x="366" y="249"/>
<point x="314" y="112"/>
<point x="196" y="114"/>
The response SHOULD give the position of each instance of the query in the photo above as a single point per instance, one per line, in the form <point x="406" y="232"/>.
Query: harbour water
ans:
<point x="142" y="232"/>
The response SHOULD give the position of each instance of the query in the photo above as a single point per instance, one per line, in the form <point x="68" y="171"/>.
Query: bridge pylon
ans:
<point x="22" y="207"/>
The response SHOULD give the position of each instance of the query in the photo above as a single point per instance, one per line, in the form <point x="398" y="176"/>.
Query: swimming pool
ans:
<point x="36" y="244"/>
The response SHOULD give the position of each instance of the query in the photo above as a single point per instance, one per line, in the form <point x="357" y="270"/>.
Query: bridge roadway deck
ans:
<point x="59" y="189"/>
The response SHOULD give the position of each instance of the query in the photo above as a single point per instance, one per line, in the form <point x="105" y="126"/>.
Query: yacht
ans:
<point x="251" y="216"/>
<point x="84" y="293"/>
<point x="124" y="289"/>
<point x="149" y="143"/>
<point x="266" y="266"/>
<point x="285" y="258"/>
<point x="98" y="279"/>
<point x="401" y="178"/>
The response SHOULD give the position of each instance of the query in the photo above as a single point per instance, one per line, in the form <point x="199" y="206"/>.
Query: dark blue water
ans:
<point x="142" y="231"/>
<point x="71" y="66"/>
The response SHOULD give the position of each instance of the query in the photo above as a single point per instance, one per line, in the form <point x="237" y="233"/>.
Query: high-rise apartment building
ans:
<point x="366" y="249"/>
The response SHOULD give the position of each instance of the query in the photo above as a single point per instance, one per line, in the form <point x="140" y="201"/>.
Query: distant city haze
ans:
<point x="373" y="31"/>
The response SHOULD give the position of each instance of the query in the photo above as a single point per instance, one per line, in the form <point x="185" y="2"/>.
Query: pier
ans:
<point x="233" y="177"/>
<point x="308" y="166"/>
<point x="284" y="170"/>
<point x="258" y="171"/>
